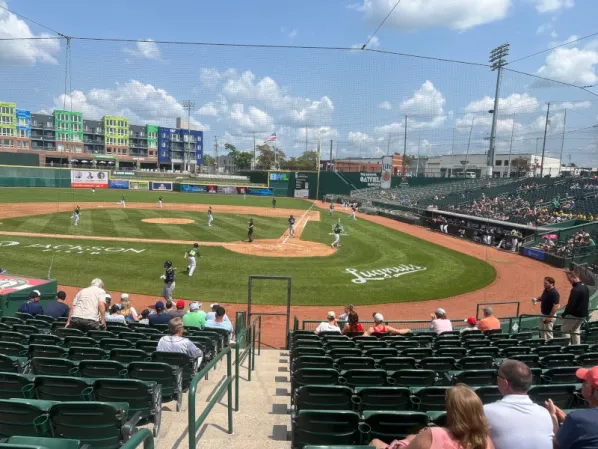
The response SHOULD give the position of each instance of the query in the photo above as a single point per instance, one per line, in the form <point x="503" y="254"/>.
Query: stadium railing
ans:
<point x="243" y="350"/>
<point x="142" y="436"/>
<point x="414" y="325"/>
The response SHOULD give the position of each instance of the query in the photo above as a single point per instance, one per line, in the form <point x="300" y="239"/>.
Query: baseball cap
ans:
<point x="108" y="296"/>
<point x="214" y="305"/>
<point x="180" y="304"/>
<point x="589" y="375"/>
<point x="471" y="320"/>
<point x="331" y="315"/>
<point x="37" y="292"/>
<point x="378" y="317"/>
<point x="34" y="294"/>
<point x="124" y="296"/>
<point x="440" y="311"/>
<point x="61" y="295"/>
<point x="159" y="305"/>
<point x="194" y="306"/>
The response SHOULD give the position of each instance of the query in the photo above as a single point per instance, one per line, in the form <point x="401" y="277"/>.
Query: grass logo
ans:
<point x="361" y="277"/>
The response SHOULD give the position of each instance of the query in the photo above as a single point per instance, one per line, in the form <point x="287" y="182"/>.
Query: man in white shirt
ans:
<point x="515" y="421"/>
<point x="89" y="308"/>
<point x="330" y="325"/>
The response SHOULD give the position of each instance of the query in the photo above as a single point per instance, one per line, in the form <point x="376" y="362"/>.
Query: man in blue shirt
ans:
<point x="219" y="321"/>
<point x="58" y="309"/>
<point x="578" y="429"/>
<point x="160" y="317"/>
<point x="32" y="307"/>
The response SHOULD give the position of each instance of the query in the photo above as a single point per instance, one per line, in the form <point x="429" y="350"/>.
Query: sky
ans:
<point x="354" y="102"/>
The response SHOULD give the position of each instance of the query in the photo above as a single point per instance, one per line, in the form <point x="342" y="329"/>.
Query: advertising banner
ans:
<point x="212" y="189"/>
<point x="386" y="172"/>
<point x="301" y="181"/>
<point x="551" y="236"/>
<point x="370" y="179"/>
<point x="193" y="188"/>
<point x="533" y="253"/>
<point x="124" y="173"/>
<point x="261" y="191"/>
<point x="302" y="193"/>
<point x="119" y="184"/>
<point x="162" y="186"/>
<point x="228" y="190"/>
<point x="275" y="176"/>
<point x="139" y="185"/>
<point x="88" y="179"/>
<point x="11" y="284"/>
<point x="242" y="190"/>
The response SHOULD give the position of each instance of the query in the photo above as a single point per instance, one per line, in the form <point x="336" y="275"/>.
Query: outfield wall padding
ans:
<point x="11" y="176"/>
<point x="22" y="159"/>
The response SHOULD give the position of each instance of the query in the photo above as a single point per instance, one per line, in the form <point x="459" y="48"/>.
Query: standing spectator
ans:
<point x="145" y="314"/>
<point x="549" y="305"/>
<point x="578" y="429"/>
<point x="160" y="317"/>
<point x="89" y="308"/>
<point x="32" y="306"/>
<point x="576" y="309"/>
<point x="515" y="421"/>
<point x="58" y="309"/>
<point x="330" y="325"/>
<point x="381" y="328"/>
<point x="179" y="311"/>
<point x="175" y="342"/>
<point x="471" y="325"/>
<point x="195" y="317"/>
<point x="212" y="315"/>
<point x="115" y="315"/>
<point x="489" y="322"/>
<point x="348" y="309"/>
<point x="126" y="309"/>
<point x="440" y="323"/>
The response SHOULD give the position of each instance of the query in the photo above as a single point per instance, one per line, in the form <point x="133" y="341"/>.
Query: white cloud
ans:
<point x="554" y="34"/>
<point x="141" y="103"/>
<point x="358" y="136"/>
<point x="513" y="104"/>
<point x="573" y="105"/>
<point x="145" y="50"/>
<point x="253" y="120"/>
<point x="24" y="52"/>
<point x="208" y="109"/>
<point x="572" y="65"/>
<point x="385" y="105"/>
<point x="427" y="100"/>
<point x="543" y="6"/>
<point x="293" y="34"/>
<point x="547" y="27"/>
<point x="458" y="15"/>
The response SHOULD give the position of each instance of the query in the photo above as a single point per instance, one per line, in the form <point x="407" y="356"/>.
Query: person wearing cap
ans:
<point x="115" y="315"/>
<point x="489" y="321"/>
<point x="145" y="314"/>
<point x="330" y="325"/>
<point x="195" y="317"/>
<point x="576" y="309"/>
<point x="212" y="315"/>
<point x="440" y="323"/>
<point x="380" y="327"/>
<point x="579" y="428"/>
<point x="32" y="306"/>
<point x="160" y="317"/>
<point x="471" y="325"/>
<point x="89" y="308"/>
<point x="219" y="322"/>
<point x="549" y="305"/>
<point x="175" y="342"/>
<point x="126" y="309"/>
<point x="179" y="310"/>
<point x="58" y="309"/>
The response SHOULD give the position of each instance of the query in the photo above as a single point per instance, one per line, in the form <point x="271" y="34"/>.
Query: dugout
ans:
<point x="15" y="290"/>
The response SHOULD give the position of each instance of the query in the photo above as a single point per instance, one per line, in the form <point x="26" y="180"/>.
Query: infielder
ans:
<point x="331" y="209"/>
<point x="76" y="215"/>
<point x="210" y="216"/>
<point x="291" y="226"/>
<point x="250" y="230"/>
<point x="353" y="210"/>
<point x="160" y="199"/>
<point x="192" y="256"/>
<point x="123" y="201"/>
<point x="337" y="235"/>
<point x="169" y="283"/>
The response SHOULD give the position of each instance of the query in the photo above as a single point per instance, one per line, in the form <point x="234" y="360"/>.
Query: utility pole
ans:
<point x="468" y="145"/>
<point x="562" y="142"/>
<point x="544" y="142"/>
<point x="330" y="161"/>
<point x="216" y="152"/>
<point x="511" y="149"/>
<point x="254" y="149"/>
<point x="388" y="150"/>
<point x="318" y="166"/>
<point x="452" y="153"/>
<point x="404" y="147"/>
<point x="418" y="142"/>
<point x="497" y="61"/>
<point x="306" y="138"/>
<point x="188" y="105"/>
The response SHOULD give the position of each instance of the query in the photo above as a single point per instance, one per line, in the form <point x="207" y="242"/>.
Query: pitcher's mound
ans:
<point x="177" y="221"/>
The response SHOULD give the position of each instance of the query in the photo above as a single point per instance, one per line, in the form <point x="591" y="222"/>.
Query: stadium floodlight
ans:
<point x="188" y="105"/>
<point x="497" y="62"/>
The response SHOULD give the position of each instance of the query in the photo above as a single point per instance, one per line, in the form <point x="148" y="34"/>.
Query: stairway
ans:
<point x="263" y="421"/>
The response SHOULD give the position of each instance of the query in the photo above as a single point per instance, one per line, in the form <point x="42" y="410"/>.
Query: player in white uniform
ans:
<point x="210" y="216"/>
<point x="331" y="209"/>
<point x="192" y="256"/>
<point x="76" y="215"/>
<point x="123" y="201"/>
<point x="337" y="235"/>
<point x="160" y="201"/>
<point x="353" y="210"/>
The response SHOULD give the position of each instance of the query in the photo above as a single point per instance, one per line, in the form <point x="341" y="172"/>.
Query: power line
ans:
<point x="553" y="81"/>
<point x="32" y="21"/>
<point x="552" y="48"/>
<point x="380" y="26"/>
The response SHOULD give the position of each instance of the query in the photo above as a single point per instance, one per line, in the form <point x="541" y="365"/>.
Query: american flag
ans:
<point x="272" y="138"/>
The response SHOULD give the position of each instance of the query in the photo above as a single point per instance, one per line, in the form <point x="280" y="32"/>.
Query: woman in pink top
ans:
<point x="440" y="323"/>
<point x="466" y="426"/>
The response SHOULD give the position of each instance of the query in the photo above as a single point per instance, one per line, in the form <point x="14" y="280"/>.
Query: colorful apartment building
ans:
<point x="116" y="135"/>
<point x="8" y="124"/>
<point x="68" y="129"/>
<point x="23" y="135"/>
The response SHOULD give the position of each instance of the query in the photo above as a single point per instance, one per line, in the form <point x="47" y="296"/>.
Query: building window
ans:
<point x="498" y="163"/>
<point x="507" y="163"/>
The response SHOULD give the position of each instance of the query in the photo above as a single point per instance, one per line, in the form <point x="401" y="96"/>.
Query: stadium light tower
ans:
<point x="497" y="62"/>
<point x="188" y="105"/>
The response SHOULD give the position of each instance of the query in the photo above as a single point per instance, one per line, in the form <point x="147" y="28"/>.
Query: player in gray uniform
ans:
<point x="169" y="283"/>
<point x="291" y="226"/>
<point x="331" y="209"/>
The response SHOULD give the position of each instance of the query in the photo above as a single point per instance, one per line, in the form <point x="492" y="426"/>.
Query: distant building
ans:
<point x="368" y="165"/>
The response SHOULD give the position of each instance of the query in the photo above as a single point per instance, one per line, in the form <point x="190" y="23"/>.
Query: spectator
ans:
<point x="160" y="317"/>
<point x="515" y="421"/>
<point x="440" y="323"/>
<point x="89" y="308"/>
<point x="471" y="325"/>
<point x="145" y="314"/>
<point x="58" y="309"/>
<point x="466" y="426"/>
<point x="175" y="342"/>
<point x="348" y="309"/>
<point x="127" y="310"/>
<point x="219" y="322"/>
<point x="195" y="317"/>
<point x="381" y="328"/>
<point x="32" y="306"/>
<point x="578" y="429"/>
<point x="576" y="309"/>
<point x="489" y="322"/>
<point x="179" y="311"/>
<point x="212" y="315"/>
<point x="116" y="315"/>
<point x="353" y="325"/>
<point x="107" y="301"/>
<point x="169" y="307"/>
<point x="549" y="304"/>
<point x="330" y="325"/>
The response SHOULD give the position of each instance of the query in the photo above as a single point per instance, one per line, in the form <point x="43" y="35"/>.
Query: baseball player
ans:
<point x="160" y="199"/>
<point x="353" y="210"/>
<point x="291" y="226"/>
<point x="192" y="256"/>
<point x="93" y="190"/>
<point x="169" y="283"/>
<point x="210" y="216"/>
<point x="123" y="200"/>
<point x="250" y="230"/>
<point x="76" y="215"/>
<point x="337" y="235"/>
<point x="273" y="203"/>
<point x="331" y="209"/>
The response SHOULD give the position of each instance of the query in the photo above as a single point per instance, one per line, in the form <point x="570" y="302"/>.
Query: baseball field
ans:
<point x="127" y="246"/>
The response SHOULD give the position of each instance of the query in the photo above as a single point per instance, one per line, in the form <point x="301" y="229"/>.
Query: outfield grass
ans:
<point x="127" y="223"/>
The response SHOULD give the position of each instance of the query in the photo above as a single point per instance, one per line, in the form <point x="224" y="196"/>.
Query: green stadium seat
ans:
<point x="42" y="326"/>
<point x="531" y="360"/>
<point x="45" y="339"/>
<point x="109" y="344"/>
<point x="62" y="388"/>
<point x="51" y="366"/>
<point x="429" y="399"/>
<point x="511" y="351"/>
<point x="188" y="364"/>
<point x="447" y="343"/>
<point x="488" y="394"/>
<point x="13" y="349"/>
<point x="206" y="344"/>
<point x="19" y="442"/>
<point x="564" y="396"/>
<point x="438" y="364"/>
<point x="9" y="364"/>
<point x="310" y="361"/>
<point x="313" y="376"/>
<point x="532" y="343"/>
<point x="576" y="349"/>
<point x="98" y="335"/>
<point x="525" y="335"/>
<point x="48" y="319"/>
<point x="129" y="355"/>
<point x="423" y="340"/>
<point x="558" y="341"/>
<point x="82" y="342"/>
<point x="473" y="335"/>
<point x="64" y="332"/>
<point x="437" y="418"/>
<point x="23" y="316"/>
<point x="170" y="379"/>
<point x="308" y="343"/>
<point x="475" y="378"/>
<point x="11" y="320"/>
<point x="97" y="369"/>
<point x="162" y="328"/>
<point x="114" y="324"/>
<point x="382" y="398"/>
<point x="557" y="360"/>
<point x="335" y="344"/>
<point x="390" y="339"/>
<point x="306" y="350"/>
<point x="397" y="363"/>
<point x="545" y="350"/>
<point x="536" y="376"/>
<point x="561" y="375"/>
<point x="456" y="353"/>
<point x="450" y="334"/>
<point x="364" y="345"/>
<point x="505" y="343"/>
<point x="126" y="334"/>
<point x="223" y="334"/>
<point x="363" y="378"/>
<point x="476" y="362"/>
<point x="14" y="385"/>
<point x="404" y="344"/>
<point x="587" y="360"/>
<point x="388" y="426"/>
<point x="337" y="353"/>
<point x="471" y="344"/>
<point x="323" y="397"/>
<point x="417" y="353"/>
<point x="5" y="327"/>
<point x="47" y="351"/>
<point x="142" y="397"/>
<point x="381" y="353"/>
<point x="26" y="329"/>
<point x="413" y="378"/>
<point x="326" y="333"/>
<point x="327" y="338"/>
<point x="14" y="337"/>
<point x="492" y="351"/>
<point x="495" y="336"/>
<point x="82" y="353"/>
<point x="18" y="415"/>
<point x="327" y="427"/>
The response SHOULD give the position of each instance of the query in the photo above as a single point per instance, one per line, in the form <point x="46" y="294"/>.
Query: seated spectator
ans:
<point x="179" y="311"/>
<point x="115" y="315"/>
<point x="489" y="321"/>
<point x="145" y="314"/>
<point x="219" y="322"/>
<point x="160" y="317"/>
<point x="353" y="325"/>
<point x="440" y="323"/>
<point x="471" y="325"/>
<point x="58" y="309"/>
<point x="127" y="310"/>
<point x="195" y="317"/>
<point x="466" y="427"/>
<point x="515" y="421"/>
<point x="169" y="307"/>
<point x="32" y="306"/>
<point x="328" y="326"/>
<point x="381" y="328"/>
<point x="345" y="316"/>
<point x="212" y="315"/>
<point x="579" y="428"/>
<point x="175" y="342"/>
<point x="107" y="302"/>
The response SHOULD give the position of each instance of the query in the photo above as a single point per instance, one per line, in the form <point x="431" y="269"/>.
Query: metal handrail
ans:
<point x="227" y="386"/>
<point x="144" y="436"/>
<point x="243" y="340"/>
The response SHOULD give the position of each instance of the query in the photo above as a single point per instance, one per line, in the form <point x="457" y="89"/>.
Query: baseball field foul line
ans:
<point x="299" y="226"/>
